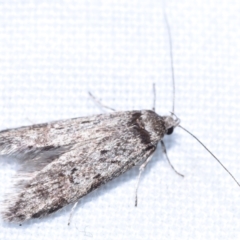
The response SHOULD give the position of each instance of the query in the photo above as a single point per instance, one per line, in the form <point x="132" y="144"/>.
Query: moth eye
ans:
<point x="170" y="131"/>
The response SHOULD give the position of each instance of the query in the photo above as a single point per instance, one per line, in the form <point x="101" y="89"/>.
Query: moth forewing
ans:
<point x="70" y="158"/>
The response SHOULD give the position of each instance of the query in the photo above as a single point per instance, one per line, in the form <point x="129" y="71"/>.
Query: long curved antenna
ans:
<point x="154" y="97"/>
<point x="171" y="56"/>
<point x="211" y="154"/>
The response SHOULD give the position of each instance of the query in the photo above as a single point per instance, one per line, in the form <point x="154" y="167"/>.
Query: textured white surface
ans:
<point x="53" y="52"/>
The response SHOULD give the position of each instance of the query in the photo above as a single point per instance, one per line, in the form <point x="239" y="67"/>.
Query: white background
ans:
<point x="53" y="52"/>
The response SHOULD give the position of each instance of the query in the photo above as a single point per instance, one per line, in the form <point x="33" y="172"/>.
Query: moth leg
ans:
<point x="165" y="152"/>
<point x="141" y="169"/>
<point x="154" y="97"/>
<point x="99" y="103"/>
<point x="71" y="213"/>
<point x="29" y="120"/>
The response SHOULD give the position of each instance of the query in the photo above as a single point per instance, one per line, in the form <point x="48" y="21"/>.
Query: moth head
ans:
<point x="171" y="122"/>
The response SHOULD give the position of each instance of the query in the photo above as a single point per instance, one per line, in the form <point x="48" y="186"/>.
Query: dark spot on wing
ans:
<point x="54" y="209"/>
<point x="47" y="148"/>
<point x="149" y="147"/>
<point x="103" y="151"/>
<point x="85" y="122"/>
<point x="21" y="217"/>
<point x="115" y="161"/>
<point x="144" y="135"/>
<point x="73" y="170"/>
<point x="38" y="214"/>
<point x="135" y="116"/>
<point x="42" y="193"/>
<point x="95" y="185"/>
<point x="139" y="129"/>
<point x="97" y="176"/>
<point x="61" y="174"/>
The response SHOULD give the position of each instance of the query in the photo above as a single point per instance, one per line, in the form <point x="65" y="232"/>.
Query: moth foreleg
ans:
<point x="99" y="102"/>
<point x="141" y="169"/>
<point x="165" y="152"/>
<point x="71" y="213"/>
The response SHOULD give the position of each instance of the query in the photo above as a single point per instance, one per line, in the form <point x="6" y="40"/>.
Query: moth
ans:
<point x="64" y="160"/>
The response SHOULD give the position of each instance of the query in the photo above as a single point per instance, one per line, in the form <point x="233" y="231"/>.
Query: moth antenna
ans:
<point x="154" y="97"/>
<point x="211" y="154"/>
<point x="171" y="57"/>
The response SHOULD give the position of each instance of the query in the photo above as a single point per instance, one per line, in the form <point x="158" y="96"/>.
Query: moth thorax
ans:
<point x="153" y="124"/>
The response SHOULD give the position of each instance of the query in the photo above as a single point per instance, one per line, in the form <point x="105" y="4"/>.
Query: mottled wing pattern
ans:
<point x="65" y="160"/>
